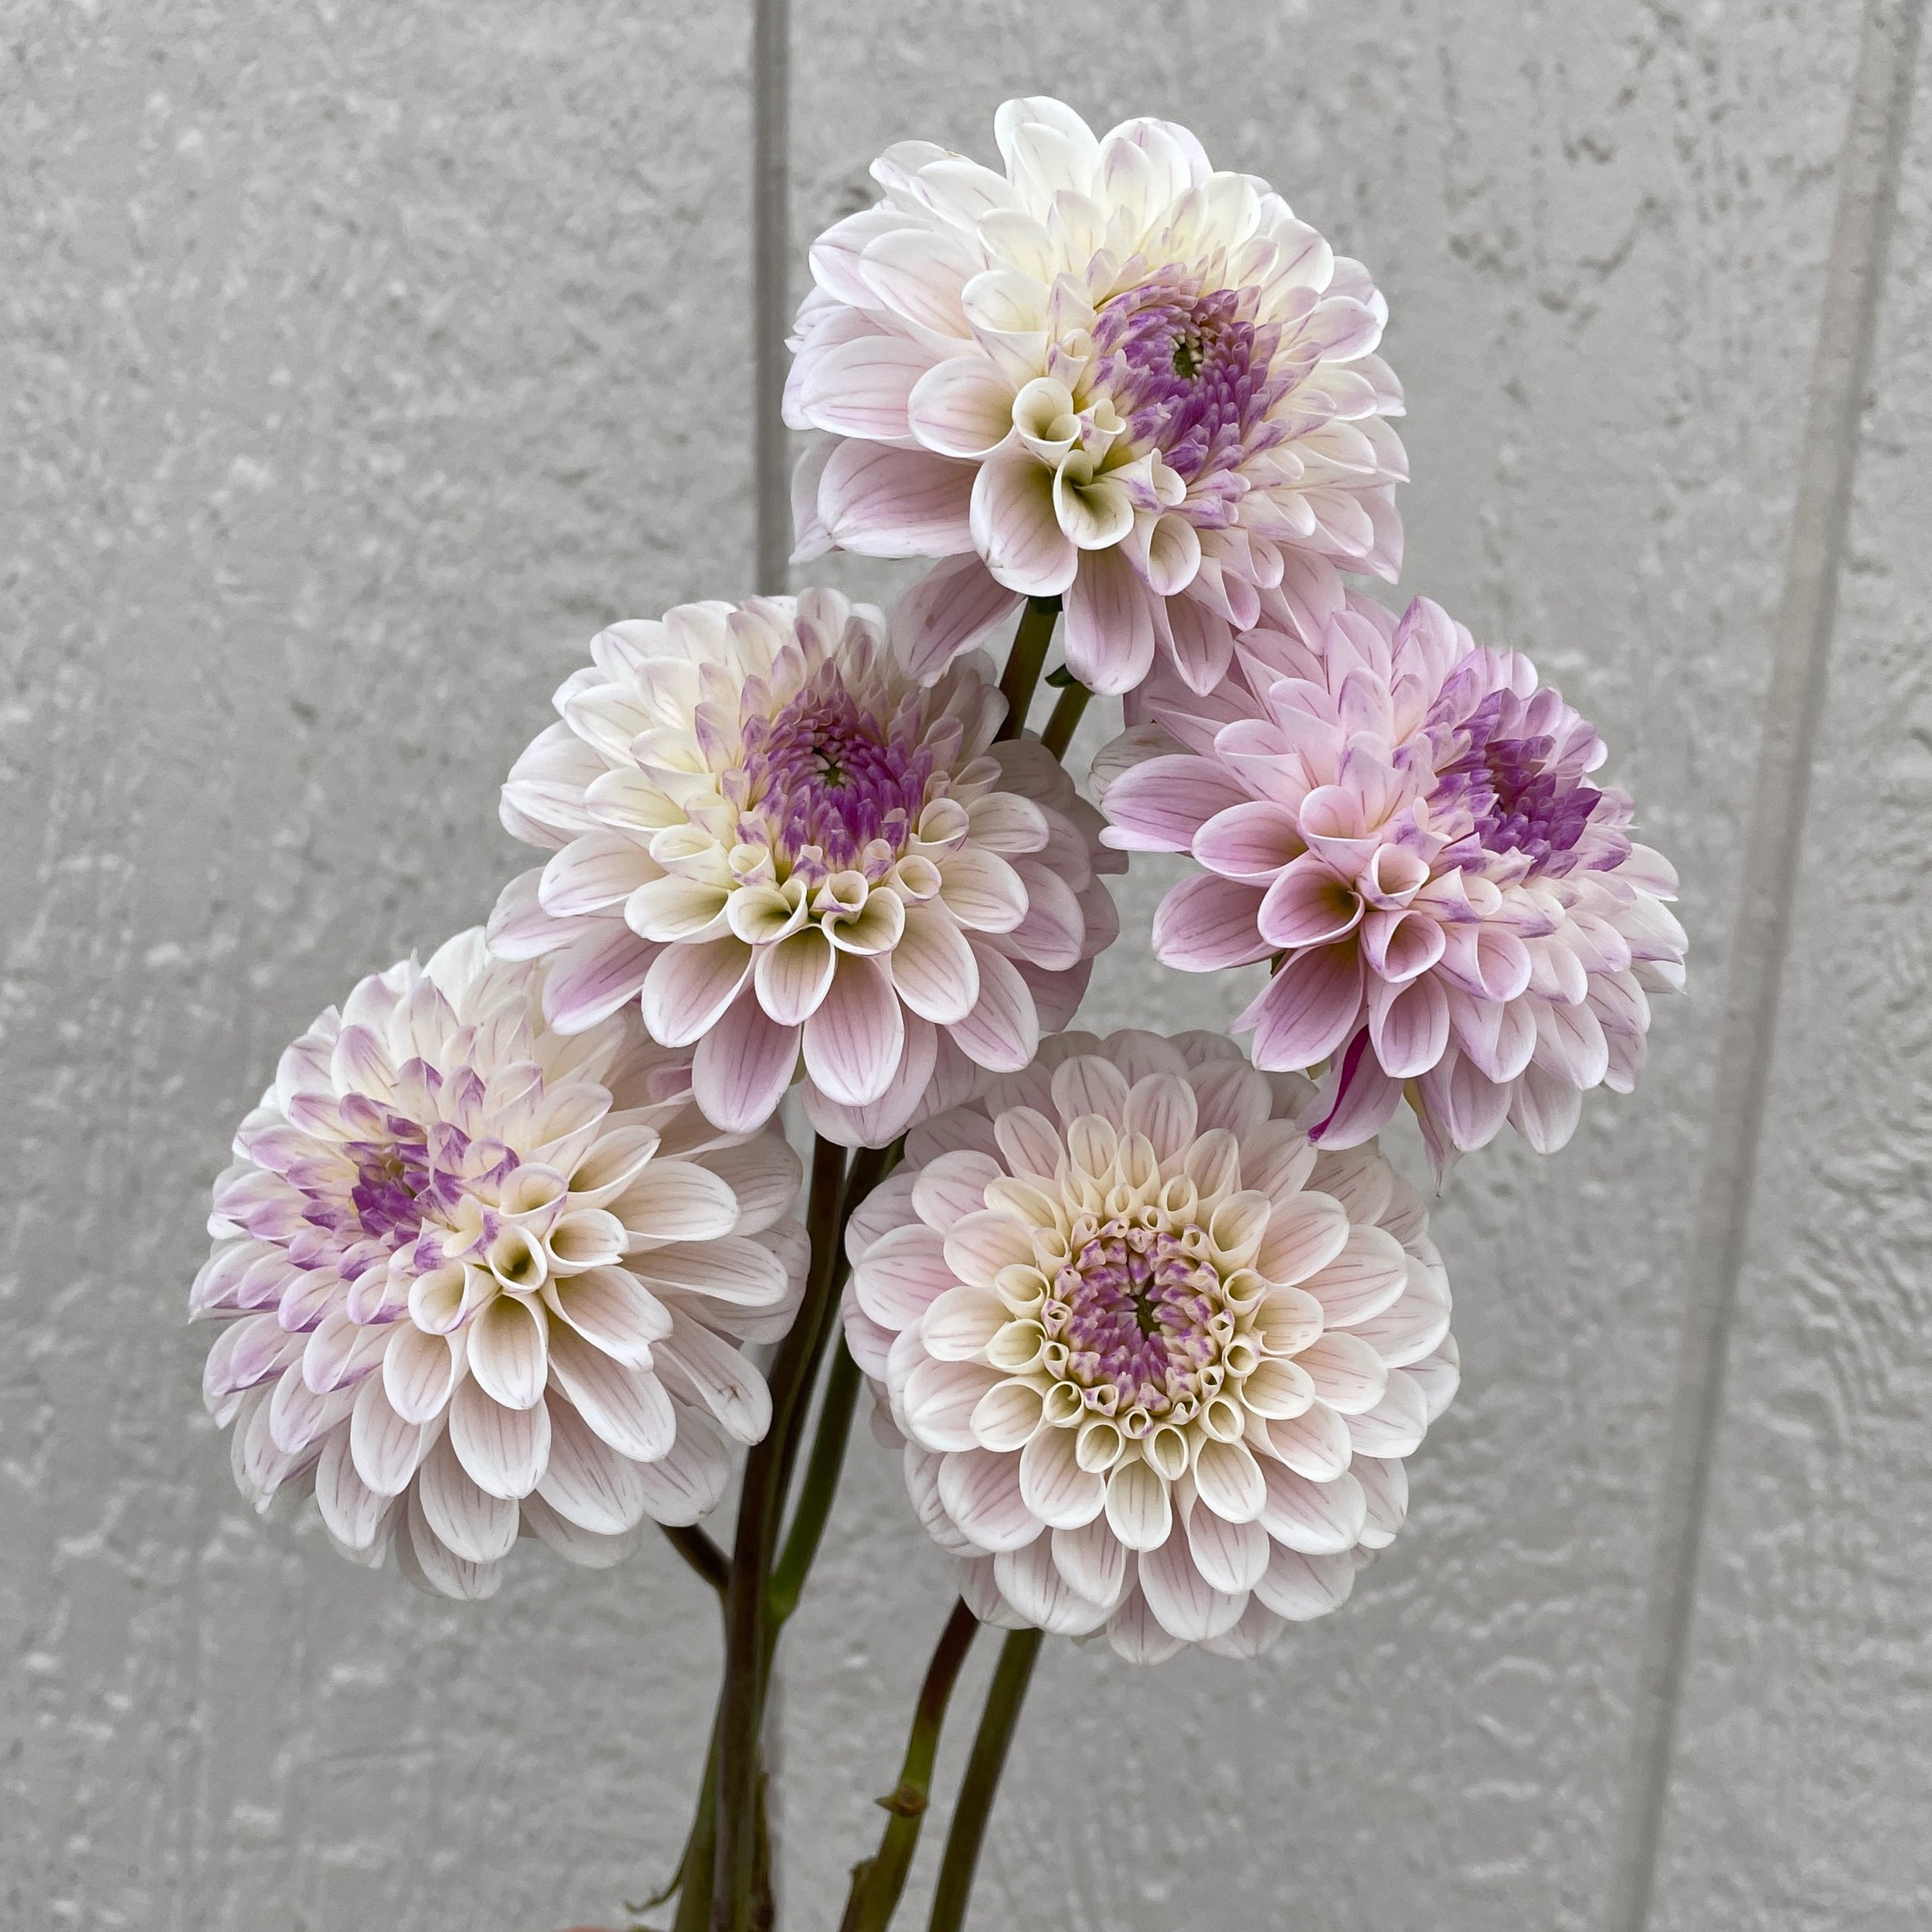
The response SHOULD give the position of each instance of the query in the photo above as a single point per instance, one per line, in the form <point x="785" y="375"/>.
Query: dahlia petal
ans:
<point x="1229" y="1481"/>
<point x="1544" y="1109"/>
<point x="627" y="1408"/>
<point x="1201" y="639"/>
<point x="1358" y="1098"/>
<point x="981" y="1493"/>
<point x="727" y="1272"/>
<point x="671" y="908"/>
<point x="1230" y="1556"/>
<point x="470" y="1523"/>
<point x="1058" y="1491"/>
<point x="1307" y="904"/>
<point x="793" y="976"/>
<point x="1002" y="1032"/>
<point x="951" y="1186"/>
<point x="1385" y="1484"/>
<point x="419" y="1372"/>
<point x="1207" y="923"/>
<point x="1139" y="1511"/>
<point x="353" y="1513"/>
<point x="1092" y="1561"/>
<point x="1110" y="619"/>
<point x="933" y="966"/>
<point x="1470" y="1107"/>
<point x="693" y="1362"/>
<point x="1411" y="1327"/>
<point x="853" y="1043"/>
<point x="689" y="986"/>
<point x="743" y="1064"/>
<point x="612" y="1309"/>
<point x="981" y="890"/>
<point x="587" y="1550"/>
<point x="1251" y="842"/>
<point x="1348" y="1375"/>
<point x="1368" y="1274"/>
<point x="596" y="871"/>
<point x="435" y="1566"/>
<point x="881" y="501"/>
<point x="595" y="975"/>
<point x="1183" y="1600"/>
<point x="585" y="1481"/>
<point x="948" y="611"/>
<point x="939" y="1405"/>
<point x="1307" y="1008"/>
<point x="386" y="1449"/>
<point x="1438" y="1376"/>
<point x="689" y="1479"/>
<point x="764" y="1174"/>
<point x="1013" y="525"/>
<point x="1135" y="1633"/>
<point x="1161" y="804"/>
<point x="862" y="388"/>
<point x="1301" y="1587"/>
<point x="1571" y="1044"/>
<point x="960" y="1324"/>
<point x="961" y="407"/>
<point x="507" y="1353"/>
<point x="1315" y="1444"/>
<point x="677" y="1201"/>
<point x="1396" y="1425"/>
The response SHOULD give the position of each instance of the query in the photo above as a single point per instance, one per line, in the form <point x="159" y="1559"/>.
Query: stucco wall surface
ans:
<point x="359" y="363"/>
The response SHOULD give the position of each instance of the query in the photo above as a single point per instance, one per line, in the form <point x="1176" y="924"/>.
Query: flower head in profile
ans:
<point x="1407" y="821"/>
<point x="766" y="831"/>
<point x="476" y="1276"/>
<point x="1156" y="1360"/>
<point x="1109" y="374"/>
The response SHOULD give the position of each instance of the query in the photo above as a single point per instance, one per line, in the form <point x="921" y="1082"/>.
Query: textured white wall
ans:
<point x="360" y="361"/>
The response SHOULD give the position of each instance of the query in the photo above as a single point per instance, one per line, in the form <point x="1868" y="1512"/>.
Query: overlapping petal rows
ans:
<point x="1109" y="374"/>
<point x="1403" y="818"/>
<point x="477" y="1276"/>
<point x="1156" y="1360"/>
<point x="766" y="830"/>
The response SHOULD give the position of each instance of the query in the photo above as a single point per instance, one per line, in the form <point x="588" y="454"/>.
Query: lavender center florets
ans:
<point x="1521" y="797"/>
<point x="1190" y="372"/>
<point x="1134" y="1309"/>
<point x="825" y="775"/>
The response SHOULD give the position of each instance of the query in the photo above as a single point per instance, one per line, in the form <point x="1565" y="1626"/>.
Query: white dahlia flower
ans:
<point x="477" y="1276"/>
<point x="1110" y="375"/>
<point x="769" y="833"/>
<point x="1156" y="1360"/>
<point x="1404" y="820"/>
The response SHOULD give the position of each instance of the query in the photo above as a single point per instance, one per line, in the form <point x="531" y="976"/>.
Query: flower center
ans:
<point x="1137" y="1312"/>
<point x="1520" y="803"/>
<point x="1189" y="372"/>
<point x="390" y="1178"/>
<point x="824" y="775"/>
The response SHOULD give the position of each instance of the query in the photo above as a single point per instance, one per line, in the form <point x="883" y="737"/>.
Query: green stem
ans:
<point x="704" y="1556"/>
<point x="746" y="1644"/>
<point x="694" y="1879"/>
<point x="1026" y="661"/>
<point x="877" y="1883"/>
<point x="982" y="1782"/>
<point x="820" y="1485"/>
<point x="1067" y="710"/>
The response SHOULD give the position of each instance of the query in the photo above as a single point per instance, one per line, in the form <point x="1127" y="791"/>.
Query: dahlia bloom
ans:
<point x="476" y="1276"/>
<point x="1155" y="1359"/>
<point x="1404" y="818"/>
<point x="1110" y="375"/>
<point x="765" y="831"/>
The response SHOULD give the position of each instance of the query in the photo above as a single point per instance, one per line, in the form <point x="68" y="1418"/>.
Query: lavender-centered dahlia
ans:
<point x="478" y="1277"/>
<point x="1109" y="374"/>
<point x="1405" y="822"/>
<point x="1155" y="1359"/>
<point x="768" y="833"/>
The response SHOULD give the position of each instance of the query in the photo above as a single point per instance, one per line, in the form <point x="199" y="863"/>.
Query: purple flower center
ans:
<point x="1138" y="1307"/>
<point x="1190" y="372"/>
<point x="390" y="1178"/>
<point x="1522" y="796"/>
<point x="824" y="776"/>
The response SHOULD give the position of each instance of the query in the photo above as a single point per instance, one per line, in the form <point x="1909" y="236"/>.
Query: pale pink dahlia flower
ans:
<point x="1156" y="1360"/>
<point x="1404" y="818"/>
<point x="478" y="1276"/>
<point x="767" y="828"/>
<point x="1109" y="374"/>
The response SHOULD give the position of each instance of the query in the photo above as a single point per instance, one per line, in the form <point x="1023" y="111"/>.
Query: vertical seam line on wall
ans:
<point x="1867" y="191"/>
<point x="771" y="288"/>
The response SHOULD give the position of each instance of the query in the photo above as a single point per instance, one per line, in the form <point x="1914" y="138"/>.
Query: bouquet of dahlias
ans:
<point x="515" y="1243"/>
